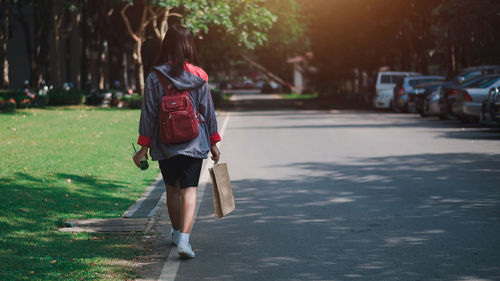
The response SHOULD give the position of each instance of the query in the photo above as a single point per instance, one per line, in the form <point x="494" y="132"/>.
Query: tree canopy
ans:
<point x="422" y="35"/>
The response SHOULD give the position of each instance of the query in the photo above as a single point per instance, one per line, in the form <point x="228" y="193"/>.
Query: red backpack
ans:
<point x="177" y="119"/>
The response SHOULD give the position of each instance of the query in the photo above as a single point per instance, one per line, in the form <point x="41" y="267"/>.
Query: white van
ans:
<point x="386" y="80"/>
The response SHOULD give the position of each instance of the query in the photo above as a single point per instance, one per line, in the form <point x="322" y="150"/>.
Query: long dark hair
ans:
<point x="177" y="48"/>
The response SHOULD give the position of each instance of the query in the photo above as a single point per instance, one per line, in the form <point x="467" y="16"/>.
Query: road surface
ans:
<point x="352" y="195"/>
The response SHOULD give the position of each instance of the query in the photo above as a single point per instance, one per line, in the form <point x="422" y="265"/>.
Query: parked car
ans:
<point x="422" y="96"/>
<point x="469" y="99"/>
<point x="432" y="98"/>
<point x="475" y="71"/>
<point x="404" y="91"/>
<point x="490" y="109"/>
<point x="448" y="95"/>
<point x="386" y="80"/>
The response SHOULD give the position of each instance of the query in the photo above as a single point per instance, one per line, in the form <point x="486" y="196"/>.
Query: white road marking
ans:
<point x="171" y="266"/>
<point x="129" y="213"/>
<point x="158" y="205"/>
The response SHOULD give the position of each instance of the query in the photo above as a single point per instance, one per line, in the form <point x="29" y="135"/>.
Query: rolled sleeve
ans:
<point x="144" y="141"/>
<point x="215" y="139"/>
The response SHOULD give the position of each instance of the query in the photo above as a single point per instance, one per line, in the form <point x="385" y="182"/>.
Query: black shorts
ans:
<point x="183" y="168"/>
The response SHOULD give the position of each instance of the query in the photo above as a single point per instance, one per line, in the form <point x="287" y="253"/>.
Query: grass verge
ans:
<point x="63" y="163"/>
<point x="296" y="96"/>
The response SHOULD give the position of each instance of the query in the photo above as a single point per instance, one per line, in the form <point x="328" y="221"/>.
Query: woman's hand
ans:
<point x="215" y="153"/>
<point x="139" y="155"/>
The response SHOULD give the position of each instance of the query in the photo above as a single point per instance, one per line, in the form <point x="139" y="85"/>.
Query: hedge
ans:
<point x="62" y="97"/>
<point x="132" y="101"/>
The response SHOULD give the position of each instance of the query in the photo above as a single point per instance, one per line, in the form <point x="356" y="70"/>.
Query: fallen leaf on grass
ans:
<point x="53" y="261"/>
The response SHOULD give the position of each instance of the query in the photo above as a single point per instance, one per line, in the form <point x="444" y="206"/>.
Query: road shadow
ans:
<point x="270" y="102"/>
<point x="409" y="217"/>
<point x="370" y="119"/>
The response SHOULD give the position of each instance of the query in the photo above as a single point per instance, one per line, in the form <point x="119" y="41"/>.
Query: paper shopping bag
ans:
<point x="222" y="191"/>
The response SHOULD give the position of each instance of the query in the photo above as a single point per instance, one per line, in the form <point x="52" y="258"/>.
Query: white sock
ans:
<point x="183" y="237"/>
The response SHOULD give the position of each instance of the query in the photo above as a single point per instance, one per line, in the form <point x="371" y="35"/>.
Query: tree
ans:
<point x="245" y="22"/>
<point x="467" y="33"/>
<point x="42" y="22"/>
<point x="37" y="47"/>
<point x="57" y="18"/>
<point x="286" y="38"/>
<point x="4" y="38"/>
<point x="23" y="20"/>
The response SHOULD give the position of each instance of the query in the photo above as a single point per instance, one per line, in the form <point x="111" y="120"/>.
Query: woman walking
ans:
<point x="180" y="162"/>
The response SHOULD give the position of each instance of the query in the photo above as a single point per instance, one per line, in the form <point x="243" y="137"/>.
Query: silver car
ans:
<point x="490" y="111"/>
<point x="469" y="100"/>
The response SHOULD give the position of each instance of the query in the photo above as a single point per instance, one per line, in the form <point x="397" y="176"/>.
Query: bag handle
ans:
<point x="164" y="85"/>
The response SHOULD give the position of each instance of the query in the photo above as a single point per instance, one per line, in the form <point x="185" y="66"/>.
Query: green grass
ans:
<point x="67" y="163"/>
<point x="296" y="96"/>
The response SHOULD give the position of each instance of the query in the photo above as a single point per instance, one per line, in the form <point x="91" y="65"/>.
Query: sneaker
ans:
<point x="184" y="250"/>
<point x="175" y="236"/>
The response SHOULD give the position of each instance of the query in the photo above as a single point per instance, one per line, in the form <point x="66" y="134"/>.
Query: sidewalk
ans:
<point x="159" y="247"/>
<point x="159" y="264"/>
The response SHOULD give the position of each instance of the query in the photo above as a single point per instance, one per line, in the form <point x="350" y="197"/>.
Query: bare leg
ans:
<point x="173" y="205"/>
<point x="188" y="206"/>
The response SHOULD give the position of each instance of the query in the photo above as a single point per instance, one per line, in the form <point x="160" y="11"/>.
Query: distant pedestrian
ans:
<point x="180" y="162"/>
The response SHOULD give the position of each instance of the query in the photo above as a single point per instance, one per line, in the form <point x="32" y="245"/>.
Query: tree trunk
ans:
<point x="405" y="55"/>
<point x="37" y="72"/>
<point x="56" y="23"/>
<point x="67" y="54"/>
<point x="43" y="51"/>
<point x="84" y="57"/>
<point x="126" y="82"/>
<point x="452" y="66"/>
<point x="40" y="50"/>
<point x="423" y="63"/>
<point x="103" y="44"/>
<point x="21" y="17"/>
<point x="4" y="38"/>
<point x="138" y="36"/>
<point x="140" y="66"/>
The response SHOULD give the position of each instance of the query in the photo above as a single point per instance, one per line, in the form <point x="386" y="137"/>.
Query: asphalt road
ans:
<point x="352" y="195"/>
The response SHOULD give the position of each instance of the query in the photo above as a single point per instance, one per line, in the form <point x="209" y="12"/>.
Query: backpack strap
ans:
<point x="161" y="77"/>
<point x="165" y="89"/>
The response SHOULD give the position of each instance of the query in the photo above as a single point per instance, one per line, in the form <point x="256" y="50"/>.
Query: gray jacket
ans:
<point x="201" y="99"/>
